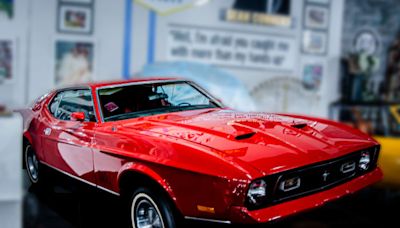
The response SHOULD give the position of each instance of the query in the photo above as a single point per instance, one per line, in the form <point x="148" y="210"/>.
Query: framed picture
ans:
<point x="312" y="75"/>
<point x="314" y="42"/>
<point x="77" y="1"/>
<point x="7" y="60"/>
<point x="75" y="19"/>
<point x="316" y="17"/>
<point x="322" y="2"/>
<point x="366" y="41"/>
<point x="6" y="9"/>
<point x="74" y="62"/>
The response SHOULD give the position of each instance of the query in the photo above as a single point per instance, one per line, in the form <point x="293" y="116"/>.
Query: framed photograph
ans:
<point x="312" y="76"/>
<point x="6" y="9"/>
<point x="75" y="19"/>
<point x="316" y="17"/>
<point x="314" y="42"/>
<point x="77" y="1"/>
<point x="74" y="62"/>
<point x="7" y="60"/>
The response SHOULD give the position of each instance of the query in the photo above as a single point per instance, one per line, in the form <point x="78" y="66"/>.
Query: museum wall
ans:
<point x="34" y="31"/>
<point x="35" y="28"/>
<point x="12" y="92"/>
<point x="257" y="79"/>
<point x="106" y="40"/>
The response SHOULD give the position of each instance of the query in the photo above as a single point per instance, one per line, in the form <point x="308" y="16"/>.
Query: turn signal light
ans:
<point x="290" y="184"/>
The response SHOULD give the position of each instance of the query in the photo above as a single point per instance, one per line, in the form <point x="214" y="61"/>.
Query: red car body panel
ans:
<point x="195" y="155"/>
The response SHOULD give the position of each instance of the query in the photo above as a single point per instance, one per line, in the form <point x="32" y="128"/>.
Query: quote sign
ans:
<point x="230" y="48"/>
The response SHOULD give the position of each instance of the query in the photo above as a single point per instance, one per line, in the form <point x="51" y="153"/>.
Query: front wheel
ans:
<point x="148" y="209"/>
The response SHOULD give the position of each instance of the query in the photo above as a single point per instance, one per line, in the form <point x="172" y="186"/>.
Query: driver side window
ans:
<point x="70" y="101"/>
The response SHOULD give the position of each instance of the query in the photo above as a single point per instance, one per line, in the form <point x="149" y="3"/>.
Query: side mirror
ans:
<point x="78" y="116"/>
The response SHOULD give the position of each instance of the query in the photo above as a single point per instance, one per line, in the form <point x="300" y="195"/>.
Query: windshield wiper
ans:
<point x="162" y="110"/>
<point x="137" y="114"/>
<point x="193" y="107"/>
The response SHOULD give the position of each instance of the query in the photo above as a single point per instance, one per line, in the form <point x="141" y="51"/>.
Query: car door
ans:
<point x="67" y="144"/>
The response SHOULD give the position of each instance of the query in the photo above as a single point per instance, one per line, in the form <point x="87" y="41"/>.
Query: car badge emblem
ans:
<point x="325" y="176"/>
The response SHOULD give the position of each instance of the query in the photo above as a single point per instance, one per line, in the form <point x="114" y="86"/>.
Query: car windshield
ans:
<point x="131" y="101"/>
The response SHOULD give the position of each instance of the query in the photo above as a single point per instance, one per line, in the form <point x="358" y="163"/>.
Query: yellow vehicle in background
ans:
<point x="389" y="160"/>
<point x="382" y="121"/>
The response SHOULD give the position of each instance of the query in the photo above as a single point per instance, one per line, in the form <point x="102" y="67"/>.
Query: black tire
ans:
<point x="32" y="165"/>
<point x="143" y="197"/>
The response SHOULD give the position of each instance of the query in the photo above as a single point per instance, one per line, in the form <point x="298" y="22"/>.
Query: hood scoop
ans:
<point x="245" y="136"/>
<point x="299" y="125"/>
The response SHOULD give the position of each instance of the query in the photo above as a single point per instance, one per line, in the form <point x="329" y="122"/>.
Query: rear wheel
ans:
<point x="32" y="164"/>
<point x="149" y="209"/>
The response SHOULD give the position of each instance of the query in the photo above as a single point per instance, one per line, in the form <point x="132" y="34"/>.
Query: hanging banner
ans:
<point x="229" y="48"/>
<point x="165" y="7"/>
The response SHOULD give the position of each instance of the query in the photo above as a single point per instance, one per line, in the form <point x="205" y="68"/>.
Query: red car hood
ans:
<point x="270" y="143"/>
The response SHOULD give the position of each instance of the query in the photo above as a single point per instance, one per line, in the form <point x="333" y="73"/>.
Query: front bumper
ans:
<point x="243" y="215"/>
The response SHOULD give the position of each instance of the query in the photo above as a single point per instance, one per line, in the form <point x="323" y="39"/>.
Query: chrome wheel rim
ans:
<point x="32" y="164"/>
<point x="145" y="213"/>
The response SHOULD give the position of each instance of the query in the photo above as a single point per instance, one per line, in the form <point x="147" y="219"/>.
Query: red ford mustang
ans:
<point x="173" y="151"/>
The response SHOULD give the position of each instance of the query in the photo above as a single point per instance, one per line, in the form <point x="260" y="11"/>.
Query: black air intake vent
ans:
<point x="299" y="126"/>
<point x="245" y="136"/>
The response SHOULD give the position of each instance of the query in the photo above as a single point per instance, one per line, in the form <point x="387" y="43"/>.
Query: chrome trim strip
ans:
<point x="107" y="190"/>
<point x="208" y="220"/>
<point x="68" y="174"/>
<point x="80" y="179"/>
<point x="144" y="82"/>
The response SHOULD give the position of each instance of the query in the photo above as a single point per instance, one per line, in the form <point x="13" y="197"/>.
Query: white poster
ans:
<point x="231" y="48"/>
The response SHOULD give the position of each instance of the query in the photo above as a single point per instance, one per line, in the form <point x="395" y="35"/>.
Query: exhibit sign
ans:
<point x="230" y="48"/>
<point x="257" y="18"/>
<point x="165" y="7"/>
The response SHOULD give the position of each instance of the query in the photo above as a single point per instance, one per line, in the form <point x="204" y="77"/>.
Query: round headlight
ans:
<point x="365" y="161"/>
<point x="257" y="191"/>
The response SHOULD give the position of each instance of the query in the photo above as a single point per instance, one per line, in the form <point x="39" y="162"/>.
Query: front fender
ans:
<point x="146" y="171"/>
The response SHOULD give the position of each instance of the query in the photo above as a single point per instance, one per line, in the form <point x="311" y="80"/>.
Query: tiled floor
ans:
<point x="78" y="206"/>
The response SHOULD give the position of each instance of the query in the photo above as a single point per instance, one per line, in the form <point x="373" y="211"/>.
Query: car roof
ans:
<point x="95" y="85"/>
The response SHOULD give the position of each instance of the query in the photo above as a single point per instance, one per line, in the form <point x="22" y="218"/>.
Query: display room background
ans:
<point x="33" y="28"/>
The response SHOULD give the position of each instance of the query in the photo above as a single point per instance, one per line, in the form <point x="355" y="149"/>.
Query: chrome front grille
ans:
<point x="316" y="177"/>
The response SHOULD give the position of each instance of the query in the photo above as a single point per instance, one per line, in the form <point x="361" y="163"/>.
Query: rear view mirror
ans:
<point x="78" y="116"/>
